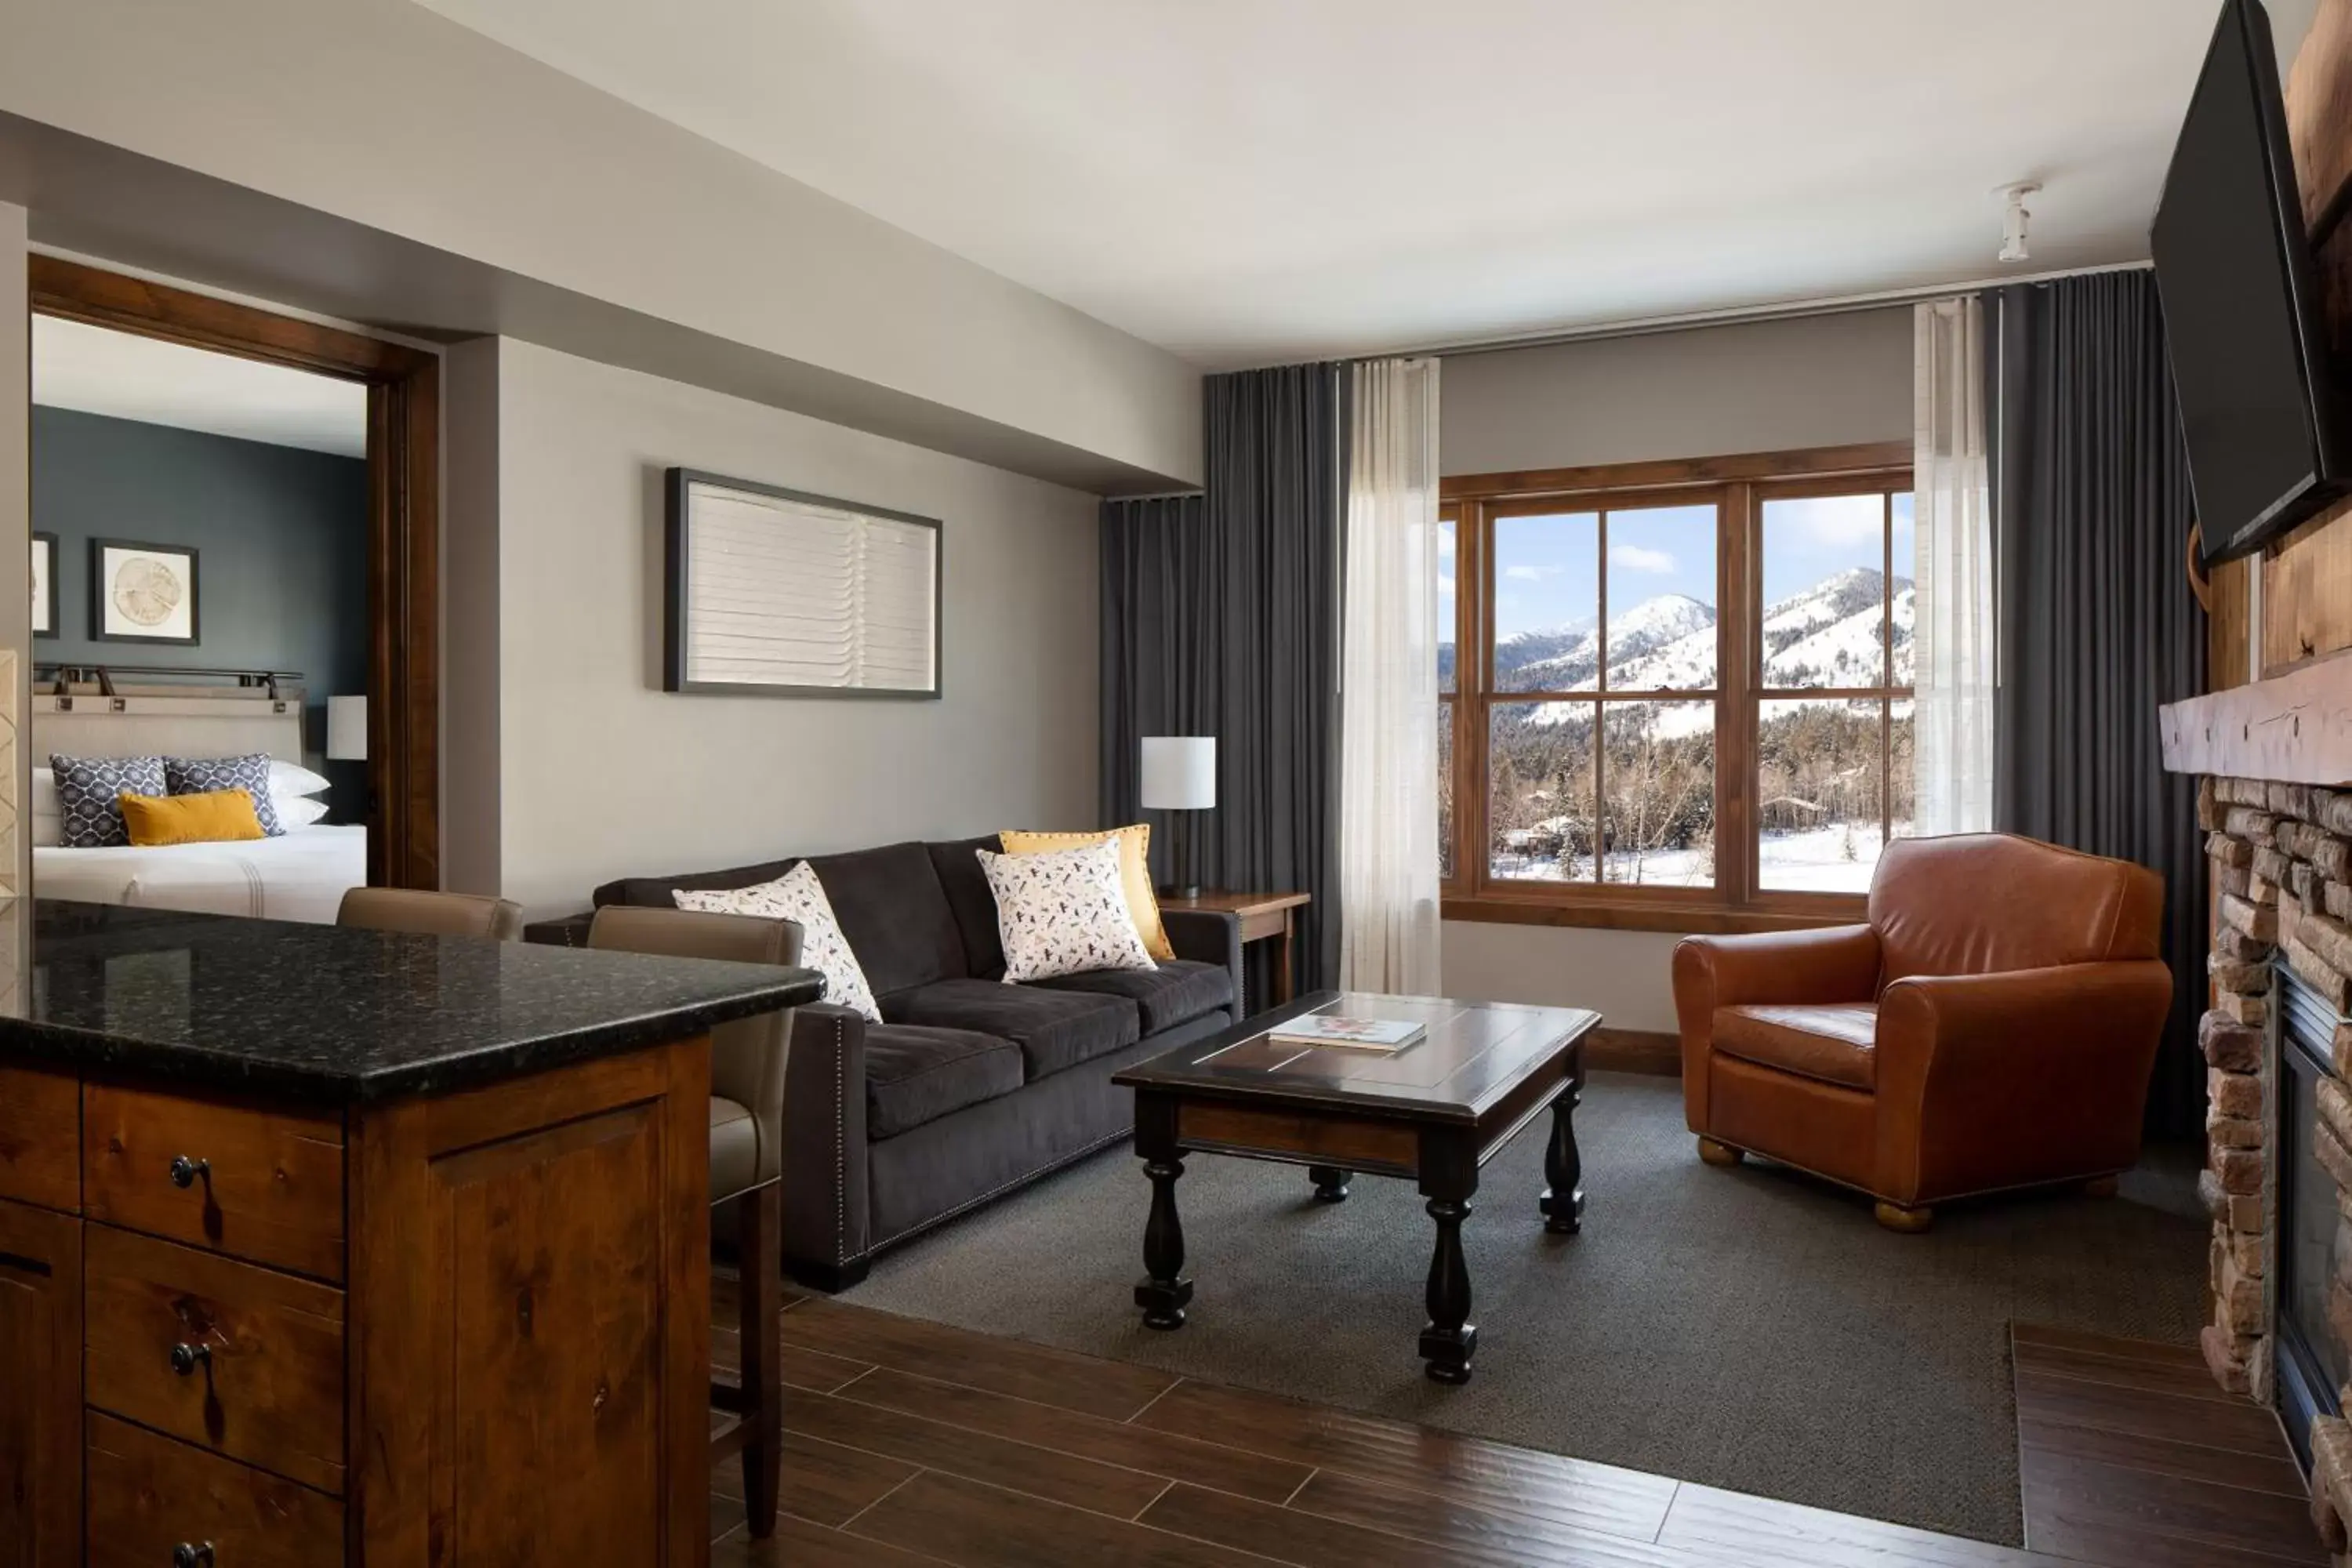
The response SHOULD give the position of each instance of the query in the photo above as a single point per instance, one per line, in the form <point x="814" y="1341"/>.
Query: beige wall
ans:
<point x="510" y="198"/>
<point x="600" y="774"/>
<point x="1756" y="387"/>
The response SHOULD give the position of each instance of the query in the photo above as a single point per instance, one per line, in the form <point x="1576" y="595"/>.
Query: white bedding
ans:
<point x="301" y="876"/>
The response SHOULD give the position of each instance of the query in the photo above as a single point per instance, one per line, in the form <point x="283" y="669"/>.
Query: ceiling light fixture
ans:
<point x="2012" y="233"/>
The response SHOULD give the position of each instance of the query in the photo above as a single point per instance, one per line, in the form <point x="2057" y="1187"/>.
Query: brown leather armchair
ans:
<point x="1992" y="1026"/>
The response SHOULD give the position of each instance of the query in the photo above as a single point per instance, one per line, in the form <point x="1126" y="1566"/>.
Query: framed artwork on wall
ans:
<point x="783" y="594"/>
<point x="44" y="585"/>
<point x="142" y="593"/>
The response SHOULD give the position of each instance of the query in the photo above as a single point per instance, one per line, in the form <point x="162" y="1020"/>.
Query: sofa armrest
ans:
<point x="1208" y="936"/>
<point x="1829" y="963"/>
<point x="827" y="1217"/>
<point x="1997" y="1080"/>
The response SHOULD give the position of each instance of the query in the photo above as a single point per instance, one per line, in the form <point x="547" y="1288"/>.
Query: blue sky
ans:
<point x="1546" y="567"/>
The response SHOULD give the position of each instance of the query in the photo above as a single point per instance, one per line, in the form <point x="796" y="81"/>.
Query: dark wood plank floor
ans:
<point x="2131" y="1457"/>
<point x="912" y="1443"/>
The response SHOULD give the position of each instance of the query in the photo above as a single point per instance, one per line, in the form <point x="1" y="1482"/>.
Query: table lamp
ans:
<point x="1179" y="773"/>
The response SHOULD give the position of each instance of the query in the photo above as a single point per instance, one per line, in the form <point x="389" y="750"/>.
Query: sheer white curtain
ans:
<point x="1954" y="633"/>
<point x="1388" y="695"/>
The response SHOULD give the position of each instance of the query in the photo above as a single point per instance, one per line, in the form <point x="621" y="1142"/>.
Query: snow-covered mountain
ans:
<point x="1824" y="636"/>
<point x="1566" y="659"/>
<point x="1828" y="635"/>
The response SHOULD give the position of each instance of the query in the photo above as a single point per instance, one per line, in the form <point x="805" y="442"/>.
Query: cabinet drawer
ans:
<point x="238" y="1360"/>
<point x="261" y="1184"/>
<point x="148" y="1495"/>
<point x="40" y="1138"/>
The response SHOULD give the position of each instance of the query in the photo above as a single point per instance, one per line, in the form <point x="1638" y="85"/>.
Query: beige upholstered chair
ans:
<point x="747" y="1129"/>
<point x="430" y="914"/>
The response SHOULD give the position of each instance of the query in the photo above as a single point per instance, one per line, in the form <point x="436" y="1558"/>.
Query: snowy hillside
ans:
<point x="1825" y="636"/>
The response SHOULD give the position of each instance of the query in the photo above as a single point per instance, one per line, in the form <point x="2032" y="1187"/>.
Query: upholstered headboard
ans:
<point x="168" y="722"/>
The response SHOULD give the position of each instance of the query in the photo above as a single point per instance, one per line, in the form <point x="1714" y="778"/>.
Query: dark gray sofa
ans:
<point x="970" y="1088"/>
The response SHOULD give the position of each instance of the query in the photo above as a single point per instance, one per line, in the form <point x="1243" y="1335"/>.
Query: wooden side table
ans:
<point x="1263" y="917"/>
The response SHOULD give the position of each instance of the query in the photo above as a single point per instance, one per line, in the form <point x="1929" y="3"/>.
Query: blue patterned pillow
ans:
<point x="88" y="787"/>
<point x="194" y="775"/>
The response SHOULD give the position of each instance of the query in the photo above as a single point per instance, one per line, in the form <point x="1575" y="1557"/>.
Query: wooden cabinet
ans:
<point x="469" y="1328"/>
<point x="251" y="1181"/>
<point x="40" y="1388"/>
<point x="150" y="1496"/>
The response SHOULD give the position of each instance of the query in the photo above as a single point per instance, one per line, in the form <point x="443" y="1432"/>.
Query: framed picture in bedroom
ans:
<point x="780" y="592"/>
<point x="44" y="585"/>
<point x="142" y="593"/>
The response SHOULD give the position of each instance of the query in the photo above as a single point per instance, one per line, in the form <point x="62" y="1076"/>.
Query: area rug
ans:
<point x="1751" y="1328"/>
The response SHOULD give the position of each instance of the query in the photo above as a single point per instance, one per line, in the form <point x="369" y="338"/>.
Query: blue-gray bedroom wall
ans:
<point x="281" y="540"/>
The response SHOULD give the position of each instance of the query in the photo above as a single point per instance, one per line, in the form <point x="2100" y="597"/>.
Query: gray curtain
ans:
<point x="1220" y="617"/>
<point x="2092" y="509"/>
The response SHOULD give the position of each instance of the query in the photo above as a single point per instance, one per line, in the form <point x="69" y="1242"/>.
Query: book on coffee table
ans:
<point x="1356" y="1034"/>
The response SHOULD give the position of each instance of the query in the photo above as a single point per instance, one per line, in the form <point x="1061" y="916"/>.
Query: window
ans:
<point x="1676" y="695"/>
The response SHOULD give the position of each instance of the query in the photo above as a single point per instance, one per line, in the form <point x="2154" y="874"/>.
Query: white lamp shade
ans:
<point x="1180" y="772"/>
<point x="347" y="729"/>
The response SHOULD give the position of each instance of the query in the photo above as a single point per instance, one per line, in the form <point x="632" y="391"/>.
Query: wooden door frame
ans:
<point x="403" y="457"/>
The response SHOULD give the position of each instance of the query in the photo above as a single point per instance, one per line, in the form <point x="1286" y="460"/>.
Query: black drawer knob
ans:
<point x="186" y="1358"/>
<point x="189" y="1555"/>
<point x="184" y="1171"/>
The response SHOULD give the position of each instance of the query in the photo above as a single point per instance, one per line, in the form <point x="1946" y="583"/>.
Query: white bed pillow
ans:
<point x="292" y="781"/>
<point x="296" y="811"/>
<point x="797" y="895"/>
<point x="1064" y="912"/>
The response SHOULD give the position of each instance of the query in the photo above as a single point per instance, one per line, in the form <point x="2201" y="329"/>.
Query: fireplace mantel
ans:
<point x="2294" y="728"/>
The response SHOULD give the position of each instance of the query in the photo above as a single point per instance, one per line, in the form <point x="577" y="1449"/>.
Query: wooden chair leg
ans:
<point x="763" y="1386"/>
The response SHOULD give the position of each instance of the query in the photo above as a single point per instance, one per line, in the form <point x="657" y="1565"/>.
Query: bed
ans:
<point x="302" y="874"/>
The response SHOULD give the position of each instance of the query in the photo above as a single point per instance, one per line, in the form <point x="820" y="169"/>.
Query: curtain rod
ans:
<point x="1838" y="305"/>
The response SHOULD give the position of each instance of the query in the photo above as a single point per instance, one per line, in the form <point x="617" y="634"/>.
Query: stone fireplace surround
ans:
<point x="2281" y="856"/>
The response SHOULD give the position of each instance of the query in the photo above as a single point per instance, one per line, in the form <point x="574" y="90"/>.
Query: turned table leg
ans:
<point x="1164" y="1292"/>
<point x="1563" y="1199"/>
<point x="1450" y="1338"/>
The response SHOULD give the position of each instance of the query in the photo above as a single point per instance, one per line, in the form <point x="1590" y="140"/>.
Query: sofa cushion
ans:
<point x="1832" y="1042"/>
<point x="1055" y="1030"/>
<point x="974" y="906"/>
<point x="895" y="913"/>
<point x="1177" y="992"/>
<point x="915" y="1075"/>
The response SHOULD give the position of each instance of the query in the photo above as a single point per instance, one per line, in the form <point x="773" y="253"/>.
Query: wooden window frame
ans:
<point x="404" y="460"/>
<point x="1738" y="486"/>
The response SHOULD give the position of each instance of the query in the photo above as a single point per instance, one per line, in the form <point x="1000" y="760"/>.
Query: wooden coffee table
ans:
<point x="1433" y="1113"/>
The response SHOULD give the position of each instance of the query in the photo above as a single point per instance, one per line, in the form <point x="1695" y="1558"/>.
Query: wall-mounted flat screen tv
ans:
<point x="2262" y="408"/>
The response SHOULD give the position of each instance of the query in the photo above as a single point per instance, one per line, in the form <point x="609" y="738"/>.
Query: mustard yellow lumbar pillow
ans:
<point x="1134" y="873"/>
<point x="207" y="816"/>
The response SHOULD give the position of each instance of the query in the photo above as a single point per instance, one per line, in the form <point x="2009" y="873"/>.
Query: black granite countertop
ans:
<point x="324" y="1015"/>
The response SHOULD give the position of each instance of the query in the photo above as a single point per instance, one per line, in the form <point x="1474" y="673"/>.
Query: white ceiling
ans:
<point x="1251" y="181"/>
<point x="126" y="377"/>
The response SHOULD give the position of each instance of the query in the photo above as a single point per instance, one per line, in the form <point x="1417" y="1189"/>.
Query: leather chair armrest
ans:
<point x="827" y="1217"/>
<point x="1830" y="963"/>
<point x="2006" y="1079"/>
<point x="1208" y="936"/>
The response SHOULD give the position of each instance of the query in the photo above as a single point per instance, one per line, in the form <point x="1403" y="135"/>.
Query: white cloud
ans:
<point x="1530" y="574"/>
<point x="1445" y="581"/>
<point x="1835" y="521"/>
<point x="1445" y="544"/>
<point x="1636" y="558"/>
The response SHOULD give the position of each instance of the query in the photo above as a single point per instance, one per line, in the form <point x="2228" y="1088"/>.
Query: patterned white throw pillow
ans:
<point x="797" y="895"/>
<point x="1064" y="912"/>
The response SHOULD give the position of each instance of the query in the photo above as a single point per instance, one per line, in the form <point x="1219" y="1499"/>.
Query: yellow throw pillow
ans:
<point x="209" y="817"/>
<point x="1134" y="871"/>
